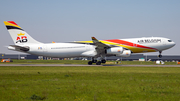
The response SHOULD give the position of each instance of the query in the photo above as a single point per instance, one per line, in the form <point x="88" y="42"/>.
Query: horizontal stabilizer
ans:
<point x="20" y="48"/>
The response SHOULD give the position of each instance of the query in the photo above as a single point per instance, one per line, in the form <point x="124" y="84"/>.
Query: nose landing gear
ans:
<point x="159" y="61"/>
<point x="160" y="56"/>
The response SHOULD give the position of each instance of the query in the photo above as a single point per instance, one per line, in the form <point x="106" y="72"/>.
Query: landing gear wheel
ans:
<point x="98" y="63"/>
<point x="103" y="61"/>
<point x="90" y="63"/>
<point x="94" y="61"/>
<point x="160" y="56"/>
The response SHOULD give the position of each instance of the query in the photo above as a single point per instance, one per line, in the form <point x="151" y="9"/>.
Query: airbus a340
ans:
<point x="23" y="42"/>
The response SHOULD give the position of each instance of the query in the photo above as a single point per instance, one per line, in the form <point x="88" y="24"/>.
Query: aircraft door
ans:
<point x="44" y="48"/>
<point x="88" y="47"/>
<point x="164" y="42"/>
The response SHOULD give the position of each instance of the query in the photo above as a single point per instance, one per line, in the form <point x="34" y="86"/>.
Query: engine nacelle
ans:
<point x="126" y="53"/>
<point x="115" y="50"/>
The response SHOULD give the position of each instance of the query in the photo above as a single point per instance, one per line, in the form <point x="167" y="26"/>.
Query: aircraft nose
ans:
<point x="173" y="44"/>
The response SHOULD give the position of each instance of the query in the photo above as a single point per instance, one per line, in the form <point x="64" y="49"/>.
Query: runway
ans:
<point x="45" y="65"/>
<point x="87" y="65"/>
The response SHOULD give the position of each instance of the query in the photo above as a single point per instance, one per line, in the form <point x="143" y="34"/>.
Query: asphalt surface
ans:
<point x="87" y="65"/>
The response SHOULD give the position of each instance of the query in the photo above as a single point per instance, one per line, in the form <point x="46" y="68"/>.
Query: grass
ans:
<point x="83" y="62"/>
<point x="48" y="62"/>
<point x="140" y="63"/>
<point x="89" y="83"/>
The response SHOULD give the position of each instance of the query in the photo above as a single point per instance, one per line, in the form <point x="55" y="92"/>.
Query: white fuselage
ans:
<point x="157" y="43"/>
<point x="62" y="50"/>
<point x="87" y="50"/>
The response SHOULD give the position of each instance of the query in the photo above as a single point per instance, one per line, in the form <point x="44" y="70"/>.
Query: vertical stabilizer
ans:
<point x="18" y="34"/>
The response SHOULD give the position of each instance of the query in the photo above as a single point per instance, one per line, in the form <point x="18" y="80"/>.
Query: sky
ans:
<point x="79" y="20"/>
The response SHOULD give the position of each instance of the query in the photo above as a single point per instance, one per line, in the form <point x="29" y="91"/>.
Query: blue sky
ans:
<point x="78" y="20"/>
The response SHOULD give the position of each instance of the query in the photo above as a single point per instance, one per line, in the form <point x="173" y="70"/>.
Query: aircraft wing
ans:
<point x="100" y="47"/>
<point x="21" y="48"/>
<point x="99" y="44"/>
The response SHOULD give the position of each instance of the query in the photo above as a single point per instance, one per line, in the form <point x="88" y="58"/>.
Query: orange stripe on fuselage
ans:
<point x="128" y="43"/>
<point x="135" y="48"/>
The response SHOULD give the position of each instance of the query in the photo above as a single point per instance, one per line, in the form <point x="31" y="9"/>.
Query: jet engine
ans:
<point x="115" y="50"/>
<point x="126" y="53"/>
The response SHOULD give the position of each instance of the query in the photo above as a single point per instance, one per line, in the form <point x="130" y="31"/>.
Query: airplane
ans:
<point x="95" y="49"/>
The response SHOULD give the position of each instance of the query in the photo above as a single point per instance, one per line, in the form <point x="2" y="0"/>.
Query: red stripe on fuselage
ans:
<point x="128" y="43"/>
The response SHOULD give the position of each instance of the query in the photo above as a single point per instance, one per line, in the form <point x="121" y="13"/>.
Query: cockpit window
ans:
<point x="169" y="40"/>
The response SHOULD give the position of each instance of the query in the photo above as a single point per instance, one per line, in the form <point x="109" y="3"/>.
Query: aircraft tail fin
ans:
<point x="18" y="34"/>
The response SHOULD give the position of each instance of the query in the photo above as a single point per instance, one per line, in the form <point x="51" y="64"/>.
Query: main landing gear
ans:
<point x="97" y="62"/>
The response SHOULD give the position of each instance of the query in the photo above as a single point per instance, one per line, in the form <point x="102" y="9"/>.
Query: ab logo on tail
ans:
<point x="21" y="38"/>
